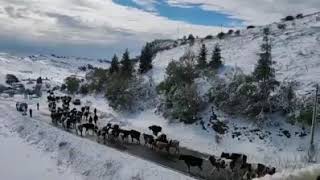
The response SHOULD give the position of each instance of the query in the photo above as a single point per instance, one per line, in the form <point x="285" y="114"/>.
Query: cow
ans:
<point x="258" y="170"/>
<point x="148" y="139"/>
<point x="69" y="123"/>
<point x="155" y="129"/>
<point x="124" y="134"/>
<point x="216" y="163"/>
<point x="87" y="127"/>
<point x="162" y="138"/>
<point x="174" y="144"/>
<point x="236" y="157"/>
<point x="161" y="145"/>
<point x="95" y="118"/>
<point x="135" y="135"/>
<point x="191" y="161"/>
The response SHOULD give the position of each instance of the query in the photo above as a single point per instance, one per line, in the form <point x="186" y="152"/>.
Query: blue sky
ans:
<point x="191" y="14"/>
<point x="100" y="28"/>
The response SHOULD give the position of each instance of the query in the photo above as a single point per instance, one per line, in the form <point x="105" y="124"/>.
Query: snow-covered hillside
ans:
<point x="50" y="66"/>
<point x="295" y="50"/>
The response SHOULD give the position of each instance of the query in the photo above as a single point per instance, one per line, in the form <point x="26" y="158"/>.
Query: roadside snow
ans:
<point x="21" y="161"/>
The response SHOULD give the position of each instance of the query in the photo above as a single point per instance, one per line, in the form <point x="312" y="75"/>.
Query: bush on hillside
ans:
<point x="237" y="32"/>
<point x="209" y="37"/>
<point x="289" y="18"/>
<point x="221" y="35"/>
<point x="251" y="27"/>
<point x="97" y="80"/>
<point x="299" y="16"/>
<point x="180" y="97"/>
<point x="230" y="31"/>
<point x="11" y="79"/>
<point x="128" y="95"/>
<point x="72" y="84"/>
<point x="305" y="116"/>
<point x="282" y="26"/>
<point x="84" y="89"/>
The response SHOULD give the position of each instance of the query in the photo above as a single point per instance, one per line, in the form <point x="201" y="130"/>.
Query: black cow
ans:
<point x="155" y="129"/>
<point x="87" y="127"/>
<point x="135" y="135"/>
<point x="162" y="138"/>
<point x="258" y="170"/>
<point x="95" y="118"/>
<point x="241" y="158"/>
<point x="103" y="132"/>
<point x="148" y="139"/>
<point x="191" y="161"/>
<point x="124" y="134"/>
<point x="90" y="120"/>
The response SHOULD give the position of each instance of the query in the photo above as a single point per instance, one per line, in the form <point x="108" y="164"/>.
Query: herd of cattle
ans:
<point x="84" y="121"/>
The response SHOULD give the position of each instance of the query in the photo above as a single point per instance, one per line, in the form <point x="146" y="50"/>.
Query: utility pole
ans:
<point x="311" y="152"/>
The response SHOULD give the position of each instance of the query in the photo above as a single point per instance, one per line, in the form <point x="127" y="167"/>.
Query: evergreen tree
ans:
<point x="114" y="68"/>
<point x="264" y="73"/>
<point x="202" y="58"/>
<point x="191" y="39"/>
<point x="216" y="62"/>
<point x="146" y="59"/>
<point x="127" y="65"/>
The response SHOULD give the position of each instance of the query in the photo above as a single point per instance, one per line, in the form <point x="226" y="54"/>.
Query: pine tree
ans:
<point x="191" y="39"/>
<point x="202" y="58"/>
<point x="264" y="73"/>
<point x="114" y="68"/>
<point x="146" y="59"/>
<point x="216" y="62"/>
<point x="127" y="66"/>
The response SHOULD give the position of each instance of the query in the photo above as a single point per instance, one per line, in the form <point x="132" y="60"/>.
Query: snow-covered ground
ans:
<point x="20" y="160"/>
<point x="67" y="152"/>
<point x="50" y="67"/>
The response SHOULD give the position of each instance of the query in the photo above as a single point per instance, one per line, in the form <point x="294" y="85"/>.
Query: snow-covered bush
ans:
<point x="128" y="94"/>
<point x="282" y="26"/>
<point x="10" y="79"/>
<point x="237" y="32"/>
<point x="84" y="89"/>
<point x="180" y="98"/>
<point x="72" y="84"/>
<point x="221" y="35"/>
<point x="284" y="98"/>
<point x="209" y="37"/>
<point x="240" y="95"/>
<point x="97" y="80"/>
<point x="288" y="18"/>
<point x="2" y="88"/>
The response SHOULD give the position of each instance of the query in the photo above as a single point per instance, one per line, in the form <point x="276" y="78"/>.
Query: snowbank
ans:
<point x="20" y="160"/>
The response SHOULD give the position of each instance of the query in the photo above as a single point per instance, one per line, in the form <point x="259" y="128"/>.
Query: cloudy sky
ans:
<point x="100" y="28"/>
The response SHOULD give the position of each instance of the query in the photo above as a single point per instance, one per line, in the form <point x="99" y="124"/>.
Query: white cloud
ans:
<point x="254" y="11"/>
<point x="87" y="23"/>
<point x="148" y="5"/>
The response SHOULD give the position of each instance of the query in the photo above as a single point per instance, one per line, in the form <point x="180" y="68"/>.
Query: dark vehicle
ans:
<point x="21" y="107"/>
<point x="77" y="102"/>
